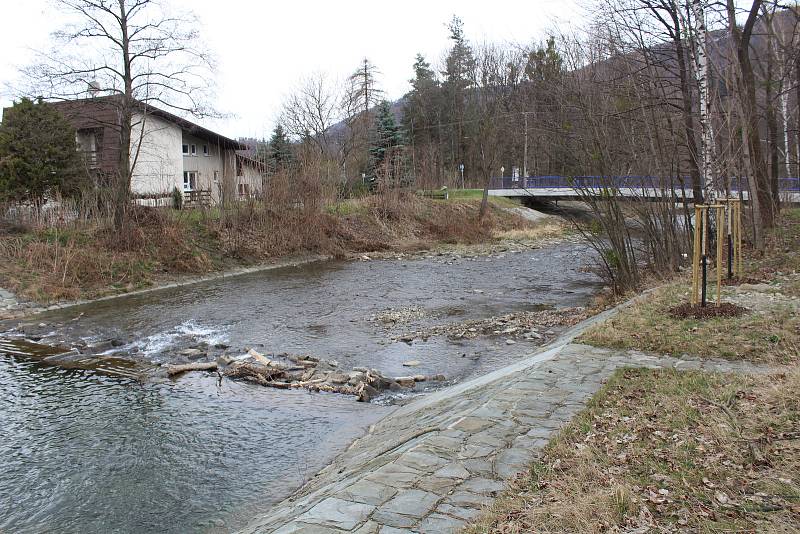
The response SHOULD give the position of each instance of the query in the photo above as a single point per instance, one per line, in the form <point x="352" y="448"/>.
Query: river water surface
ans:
<point x="85" y="452"/>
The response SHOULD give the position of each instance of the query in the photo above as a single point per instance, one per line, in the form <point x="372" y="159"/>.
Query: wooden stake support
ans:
<point x="727" y="216"/>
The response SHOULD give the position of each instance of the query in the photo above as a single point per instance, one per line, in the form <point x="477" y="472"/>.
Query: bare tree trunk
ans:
<point x="759" y="180"/>
<point x="702" y="71"/>
<point x="126" y="117"/>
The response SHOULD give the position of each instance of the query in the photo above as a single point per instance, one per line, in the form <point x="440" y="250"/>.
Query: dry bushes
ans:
<point x="87" y="258"/>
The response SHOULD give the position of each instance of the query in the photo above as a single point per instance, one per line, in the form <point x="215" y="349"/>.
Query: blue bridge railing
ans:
<point x="620" y="182"/>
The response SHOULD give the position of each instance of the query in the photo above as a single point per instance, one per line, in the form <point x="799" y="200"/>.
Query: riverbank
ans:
<point x="82" y="263"/>
<point x="689" y="450"/>
<point x="252" y="446"/>
<point x="436" y="463"/>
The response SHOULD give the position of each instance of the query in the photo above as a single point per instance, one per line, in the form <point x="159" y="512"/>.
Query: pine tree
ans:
<point x="460" y="62"/>
<point x="386" y="146"/>
<point x="421" y="111"/>
<point x="545" y="63"/>
<point x="279" y="150"/>
<point x="459" y="69"/>
<point x="364" y="91"/>
<point x="38" y="154"/>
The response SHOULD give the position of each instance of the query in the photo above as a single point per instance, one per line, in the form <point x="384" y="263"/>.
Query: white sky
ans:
<point x="263" y="48"/>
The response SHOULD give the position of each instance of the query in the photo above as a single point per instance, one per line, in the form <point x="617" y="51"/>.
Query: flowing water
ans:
<point x="85" y="450"/>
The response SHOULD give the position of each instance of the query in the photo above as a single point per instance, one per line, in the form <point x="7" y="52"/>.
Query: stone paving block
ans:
<point x="490" y="412"/>
<point x="483" y="486"/>
<point x="486" y="439"/>
<point x="473" y="424"/>
<point x="509" y="462"/>
<point x="467" y="499"/>
<point x="370" y="527"/>
<point x="334" y="512"/>
<point x="466" y="514"/>
<point x="437" y="485"/>
<point x="529" y="443"/>
<point x="479" y="467"/>
<point x="421" y="461"/>
<point x="446" y="443"/>
<point x="452" y="470"/>
<point x="301" y="528"/>
<point x="392" y="530"/>
<point x="440" y="524"/>
<point x="368" y="492"/>
<point x="452" y="433"/>
<point x="394" y="476"/>
<point x="412" y="503"/>
<point x="476" y="451"/>
<point x="392" y="519"/>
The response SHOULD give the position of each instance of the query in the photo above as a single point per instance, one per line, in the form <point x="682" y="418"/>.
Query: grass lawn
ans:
<point x="667" y="451"/>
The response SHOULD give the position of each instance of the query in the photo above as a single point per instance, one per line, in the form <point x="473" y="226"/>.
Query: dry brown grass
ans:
<point x="90" y="260"/>
<point x="667" y="451"/>
<point x="769" y="332"/>
<point x="546" y="229"/>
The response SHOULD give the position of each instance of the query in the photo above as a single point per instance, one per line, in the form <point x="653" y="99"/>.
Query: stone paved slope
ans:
<point x="432" y="465"/>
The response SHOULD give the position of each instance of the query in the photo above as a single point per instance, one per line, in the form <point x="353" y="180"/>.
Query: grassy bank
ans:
<point x="78" y="261"/>
<point x="768" y="331"/>
<point x="669" y="451"/>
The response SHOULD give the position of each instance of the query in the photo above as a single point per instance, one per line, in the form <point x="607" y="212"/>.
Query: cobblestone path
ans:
<point x="432" y="465"/>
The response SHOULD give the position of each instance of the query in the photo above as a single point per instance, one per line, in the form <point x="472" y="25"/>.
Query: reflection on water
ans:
<point x="100" y="451"/>
<point x="91" y="453"/>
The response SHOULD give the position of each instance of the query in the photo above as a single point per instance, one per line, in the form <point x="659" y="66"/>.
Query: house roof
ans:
<point x="75" y="106"/>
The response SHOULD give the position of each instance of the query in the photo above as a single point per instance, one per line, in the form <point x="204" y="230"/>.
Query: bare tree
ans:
<point x="137" y="54"/>
<point x="311" y="110"/>
<point x="761" y="192"/>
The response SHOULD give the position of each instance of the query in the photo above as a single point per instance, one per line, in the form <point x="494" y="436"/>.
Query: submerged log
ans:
<point x="173" y="370"/>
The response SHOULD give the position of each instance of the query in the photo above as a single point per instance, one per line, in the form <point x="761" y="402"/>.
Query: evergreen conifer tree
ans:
<point x="387" y="142"/>
<point x="279" y="150"/>
<point x="38" y="154"/>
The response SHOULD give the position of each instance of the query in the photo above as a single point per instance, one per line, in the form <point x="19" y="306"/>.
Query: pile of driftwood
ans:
<point x="305" y="372"/>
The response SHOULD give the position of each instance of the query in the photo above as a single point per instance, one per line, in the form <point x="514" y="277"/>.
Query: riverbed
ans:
<point x="91" y="452"/>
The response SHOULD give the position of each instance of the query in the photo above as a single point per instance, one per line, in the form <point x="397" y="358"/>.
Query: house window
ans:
<point x="189" y="180"/>
<point x="194" y="150"/>
<point x="216" y="176"/>
<point x="244" y="190"/>
<point x="185" y="150"/>
<point x="205" y="150"/>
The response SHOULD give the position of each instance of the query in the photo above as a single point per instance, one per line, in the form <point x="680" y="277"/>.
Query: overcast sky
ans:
<point x="263" y="47"/>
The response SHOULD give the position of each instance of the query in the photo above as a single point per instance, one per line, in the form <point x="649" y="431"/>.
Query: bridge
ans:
<point x="636" y="187"/>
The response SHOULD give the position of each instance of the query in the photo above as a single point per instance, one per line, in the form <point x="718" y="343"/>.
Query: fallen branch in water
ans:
<point x="260" y="374"/>
<point x="173" y="370"/>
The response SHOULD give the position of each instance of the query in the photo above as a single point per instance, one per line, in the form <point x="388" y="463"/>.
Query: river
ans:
<point x="87" y="452"/>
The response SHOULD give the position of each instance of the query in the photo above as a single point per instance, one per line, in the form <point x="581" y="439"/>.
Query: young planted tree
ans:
<point x="136" y="53"/>
<point x="38" y="154"/>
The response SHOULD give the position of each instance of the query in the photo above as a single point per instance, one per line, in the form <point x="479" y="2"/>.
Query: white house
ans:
<point x="167" y="152"/>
